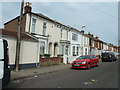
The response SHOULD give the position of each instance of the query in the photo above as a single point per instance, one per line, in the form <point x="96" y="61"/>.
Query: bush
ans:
<point x="98" y="56"/>
<point x="46" y="55"/>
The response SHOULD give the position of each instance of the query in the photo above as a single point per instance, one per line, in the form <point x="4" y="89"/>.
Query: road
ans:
<point x="104" y="76"/>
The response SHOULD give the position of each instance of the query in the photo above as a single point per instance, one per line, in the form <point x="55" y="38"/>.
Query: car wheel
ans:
<point x="89" y="66"/>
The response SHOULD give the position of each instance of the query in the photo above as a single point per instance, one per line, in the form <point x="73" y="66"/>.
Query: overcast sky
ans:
<point x="100" y="18"/>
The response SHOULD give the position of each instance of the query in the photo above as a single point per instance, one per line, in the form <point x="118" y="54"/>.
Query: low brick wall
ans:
<point x="50" y="61"/>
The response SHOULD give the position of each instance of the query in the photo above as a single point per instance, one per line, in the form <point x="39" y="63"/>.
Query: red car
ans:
<point x="85" y="61"/>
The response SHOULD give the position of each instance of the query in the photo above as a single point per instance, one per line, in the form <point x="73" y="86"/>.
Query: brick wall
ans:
<point x="50" y="61"/>
<point x="96" y="44"/>
<point x="13" y="24"/>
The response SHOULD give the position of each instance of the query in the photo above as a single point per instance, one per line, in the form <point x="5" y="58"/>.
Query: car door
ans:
<point x="95" y="60"/>
<point x="91" y="61"/>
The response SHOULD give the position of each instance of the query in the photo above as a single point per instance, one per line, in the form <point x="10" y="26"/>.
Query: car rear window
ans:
<point x="105" y="54"/>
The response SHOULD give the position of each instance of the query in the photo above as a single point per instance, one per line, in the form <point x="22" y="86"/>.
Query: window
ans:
<point x="74" y="37"/>
<point x="85" y="51"/>
<point x="42" y="47"/>
<point x="85" y="40"/>
<point x="92" y="43"/>
<point x="62" y="49"/>
<point x="73" y="50"/>
<point x="67" y="35"/>
<point x="77" y="52"/>
<point x="33" y="25"/>
<point x="44" y="28"/>
<point x="61" y="33"/>
<point x="66" y="51"/>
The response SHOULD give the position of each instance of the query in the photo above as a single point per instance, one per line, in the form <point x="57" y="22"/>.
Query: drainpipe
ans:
<point x="38" y="55"/>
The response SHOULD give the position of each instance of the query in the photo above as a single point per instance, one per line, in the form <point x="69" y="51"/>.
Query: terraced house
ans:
<point x="53" y="39"/>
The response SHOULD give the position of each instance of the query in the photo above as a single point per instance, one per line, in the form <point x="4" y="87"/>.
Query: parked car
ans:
<point x="85" y="61"/>
<point x="108" y="56"/>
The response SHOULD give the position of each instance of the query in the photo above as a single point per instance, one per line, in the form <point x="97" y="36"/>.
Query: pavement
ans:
<point x="34" y="72"/>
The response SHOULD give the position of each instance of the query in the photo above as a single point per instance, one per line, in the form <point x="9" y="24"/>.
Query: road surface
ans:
<point x="104" y="76"/>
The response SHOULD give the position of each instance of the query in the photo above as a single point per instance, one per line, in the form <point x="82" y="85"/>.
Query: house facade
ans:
<point x="56" y="39"/>
<point x="85" y="44"/>
<point x="76" y="44"/>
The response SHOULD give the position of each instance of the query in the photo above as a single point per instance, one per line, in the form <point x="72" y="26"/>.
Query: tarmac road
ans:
<point x="104" y="76"/>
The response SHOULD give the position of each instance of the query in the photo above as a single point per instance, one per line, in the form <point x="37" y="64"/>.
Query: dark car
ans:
<point x="107" y="56"/>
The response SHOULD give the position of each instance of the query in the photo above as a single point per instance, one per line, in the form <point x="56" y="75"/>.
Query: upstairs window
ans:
<point x="44" y="28"/>
<point x="61" y="33"/>
<point x="74" y="37"/>
<point x="33" y="25"/>
<point x="85" y="40"/>
<point x="66" y="35"/>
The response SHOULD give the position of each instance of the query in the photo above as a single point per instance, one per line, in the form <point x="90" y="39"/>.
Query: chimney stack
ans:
<point x="27" y="8"/>
<point x="92" y="35"/>
<point x="82" y="32"/>
<point x="89" y="33"/>
<point x="96" y="37"/>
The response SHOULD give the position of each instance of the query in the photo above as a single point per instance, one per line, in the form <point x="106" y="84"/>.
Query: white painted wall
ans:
<point x="85" y="44"/>
<point x="28" y="51"/>
<point x="51" y="30"/>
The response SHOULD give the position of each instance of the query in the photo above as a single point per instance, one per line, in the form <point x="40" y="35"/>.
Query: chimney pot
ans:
<point x="82" y="32"/>
<point x="27" y="8"/>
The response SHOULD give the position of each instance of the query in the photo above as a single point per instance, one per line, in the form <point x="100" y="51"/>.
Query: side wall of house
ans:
<point x="13" y="25"/>
<point x="28" y="53"/>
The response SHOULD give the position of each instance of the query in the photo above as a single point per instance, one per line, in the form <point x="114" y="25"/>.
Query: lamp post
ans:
<point x="19" y="38"/>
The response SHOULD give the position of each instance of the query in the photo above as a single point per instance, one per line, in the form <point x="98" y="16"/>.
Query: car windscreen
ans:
<point x="83" y="57"/>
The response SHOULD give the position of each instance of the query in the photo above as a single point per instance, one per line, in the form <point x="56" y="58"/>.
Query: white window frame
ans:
<point x="74" y="37"/>
<point x="66" y="35"/>
<point x="62" y="49"/>
<point x="67" y="50"/>
<point x="77" y="51"/>
<point x="33" y="25"/>
<point x="73" y="50"/>
<point x="44" y="28"/>
<point x="42" y="46"/>
<point x="61" y="34"/>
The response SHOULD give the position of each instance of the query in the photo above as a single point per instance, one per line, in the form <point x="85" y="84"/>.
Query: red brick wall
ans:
<point x="96" y="44"/>
<point x="13" y="25"/>
<point x="50" y="61"/>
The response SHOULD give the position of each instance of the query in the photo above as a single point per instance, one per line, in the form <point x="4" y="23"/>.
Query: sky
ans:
<point x="100" y="18"/>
